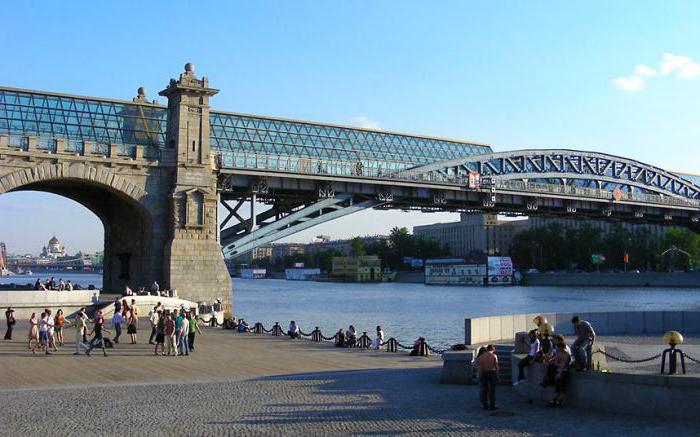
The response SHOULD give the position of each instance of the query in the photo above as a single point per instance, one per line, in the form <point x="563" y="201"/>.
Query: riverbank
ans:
<point x="607" y="279"/>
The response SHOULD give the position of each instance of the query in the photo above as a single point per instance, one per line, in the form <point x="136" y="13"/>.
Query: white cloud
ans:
<point x="645" y="71"/>
<point x="629" y="83"/>
<point x="365" y="122"/>
<point x="676" y="66"/>
<point x="683" y="66"/>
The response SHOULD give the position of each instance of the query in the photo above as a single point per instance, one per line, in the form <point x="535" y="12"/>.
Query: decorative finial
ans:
<point x="141" y="92"/>
<point x="189" y="67"/>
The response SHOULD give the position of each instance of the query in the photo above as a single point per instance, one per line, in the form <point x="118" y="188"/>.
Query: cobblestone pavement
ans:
<point x="369" y="402"/>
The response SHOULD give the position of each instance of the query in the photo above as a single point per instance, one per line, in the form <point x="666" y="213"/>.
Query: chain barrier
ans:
<point x="616" y="358"/>
<point x="695" y="360"/>
<point x="363" y="342"/>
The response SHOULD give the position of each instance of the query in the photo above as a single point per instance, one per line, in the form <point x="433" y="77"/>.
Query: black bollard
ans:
<point x="316" y="335"/>
<point x="391" y="345"/>
<point x="364" y="341"/>
<point x="258" y="328"/>
<point x="422" y="348"/>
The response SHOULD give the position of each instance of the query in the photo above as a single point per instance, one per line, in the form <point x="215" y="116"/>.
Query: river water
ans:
<point x="407" y="311"/>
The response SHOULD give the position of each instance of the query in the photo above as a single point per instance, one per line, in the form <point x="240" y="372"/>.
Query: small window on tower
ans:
<point x="193" y="146"/>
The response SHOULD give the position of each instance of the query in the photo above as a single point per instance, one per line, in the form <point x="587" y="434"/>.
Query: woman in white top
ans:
<point x="377" y="343"/>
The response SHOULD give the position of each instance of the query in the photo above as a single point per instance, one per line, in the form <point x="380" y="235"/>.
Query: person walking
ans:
<point x="98" y="339"/>
<point x="170" y="334"/>
<point x="44" y="331"/>
<point x="488" y="377"/>
<point x="10" y="319"/>
<point x="153" y="320"/>
<point x="33" y="333"/>
<point x="117" y="320"/>
<point x="131" y="326"/>
<point x="59" y="323"/>
<point x="582" y="347"/>
<point x="194" y="329"/>
<point x="183" y="337"/>
<point x="81" y="321"/>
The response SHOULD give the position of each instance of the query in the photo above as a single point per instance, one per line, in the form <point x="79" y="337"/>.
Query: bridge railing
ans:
<point x="387" y="170"/>
<point x="397" y="171"/>
<point x="79" y="147"/>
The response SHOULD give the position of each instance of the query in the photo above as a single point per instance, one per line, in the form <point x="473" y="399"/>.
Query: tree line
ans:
<point x="401" y="244"/>
<point x="555" y="247"/>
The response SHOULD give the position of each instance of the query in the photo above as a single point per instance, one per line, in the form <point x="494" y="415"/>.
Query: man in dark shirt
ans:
<point x="583" y="346"/>
<point x="97" y="340"/>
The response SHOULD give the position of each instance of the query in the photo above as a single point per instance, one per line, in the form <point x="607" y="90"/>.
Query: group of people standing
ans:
<point x="172" y="332"/>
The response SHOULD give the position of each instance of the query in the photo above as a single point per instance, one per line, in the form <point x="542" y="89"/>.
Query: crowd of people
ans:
<point x="172" y="332"/>
<point x="348" y="338"/>
<point x="51" y="284"/>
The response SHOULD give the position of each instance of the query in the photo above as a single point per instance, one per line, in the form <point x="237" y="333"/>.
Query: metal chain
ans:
<point x="616" y="358"/>
<point x="333" y="338"/>
<point x="695" y="360"/>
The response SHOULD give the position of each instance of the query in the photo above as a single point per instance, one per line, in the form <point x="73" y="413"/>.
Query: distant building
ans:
<point x="474" y="233"/>
<point x="54" y="249"/>
<point x="343" y="246"/>
<point x="280" y="250"/>
<point x="357" y="269"/>
<point x="261" y="252"/>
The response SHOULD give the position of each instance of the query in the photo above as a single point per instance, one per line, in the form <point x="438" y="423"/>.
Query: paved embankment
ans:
<point x="250" y="385"/>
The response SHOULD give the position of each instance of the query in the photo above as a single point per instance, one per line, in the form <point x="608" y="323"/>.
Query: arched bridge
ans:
<point x="155" y="175"/>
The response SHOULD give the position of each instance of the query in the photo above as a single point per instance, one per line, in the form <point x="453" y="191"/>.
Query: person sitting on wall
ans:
<point x="340" y="338"/>
<point x="531" y="356"/>
<point x="416" y="346"/>
<point x="243" y="326"/>
<point x="293" y="331"/>
<point x="582" y="347"/>
<point x="350" y="336"/>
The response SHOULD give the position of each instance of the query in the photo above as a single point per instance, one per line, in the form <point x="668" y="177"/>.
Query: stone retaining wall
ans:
<point x="503" y="328"/>
<point x="673" y="397"/>
<point x="26" y="302"/>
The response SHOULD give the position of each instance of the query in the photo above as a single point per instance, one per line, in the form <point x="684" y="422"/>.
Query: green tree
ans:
<point x="357" y="247"/>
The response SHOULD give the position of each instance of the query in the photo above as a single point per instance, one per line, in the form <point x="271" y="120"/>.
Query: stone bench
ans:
<point x="457" y="367"/>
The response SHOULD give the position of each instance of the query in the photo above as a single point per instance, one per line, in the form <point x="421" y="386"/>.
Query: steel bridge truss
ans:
<point x="283" y="220"/>
<point x="567" y="167"/>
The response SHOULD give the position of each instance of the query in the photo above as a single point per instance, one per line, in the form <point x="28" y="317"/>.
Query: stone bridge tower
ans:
<point x="193" y="262"/>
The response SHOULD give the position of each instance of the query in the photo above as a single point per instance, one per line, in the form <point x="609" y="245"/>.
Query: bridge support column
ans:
<point x="193" y="262"/>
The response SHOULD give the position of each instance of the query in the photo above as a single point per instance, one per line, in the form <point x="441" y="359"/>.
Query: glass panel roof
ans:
<point x="120" y="122"/>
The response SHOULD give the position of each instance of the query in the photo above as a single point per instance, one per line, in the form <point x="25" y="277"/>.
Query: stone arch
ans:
<point x="131" y="257"/>
<point x="78" y="171"/>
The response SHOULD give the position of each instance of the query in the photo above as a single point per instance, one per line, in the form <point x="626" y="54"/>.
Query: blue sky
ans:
<point x="619" y="77"/>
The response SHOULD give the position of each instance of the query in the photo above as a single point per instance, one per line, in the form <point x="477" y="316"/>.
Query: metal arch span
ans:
<point x="565" y="165"/>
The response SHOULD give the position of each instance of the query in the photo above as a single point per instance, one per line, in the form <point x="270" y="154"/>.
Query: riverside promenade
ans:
<point x="236" y="384"/>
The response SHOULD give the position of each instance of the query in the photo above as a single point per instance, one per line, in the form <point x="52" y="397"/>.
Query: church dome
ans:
<point x="53" y="240"/>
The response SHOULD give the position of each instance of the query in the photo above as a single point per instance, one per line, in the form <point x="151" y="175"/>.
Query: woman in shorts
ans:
<point x="59" y="323"/>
